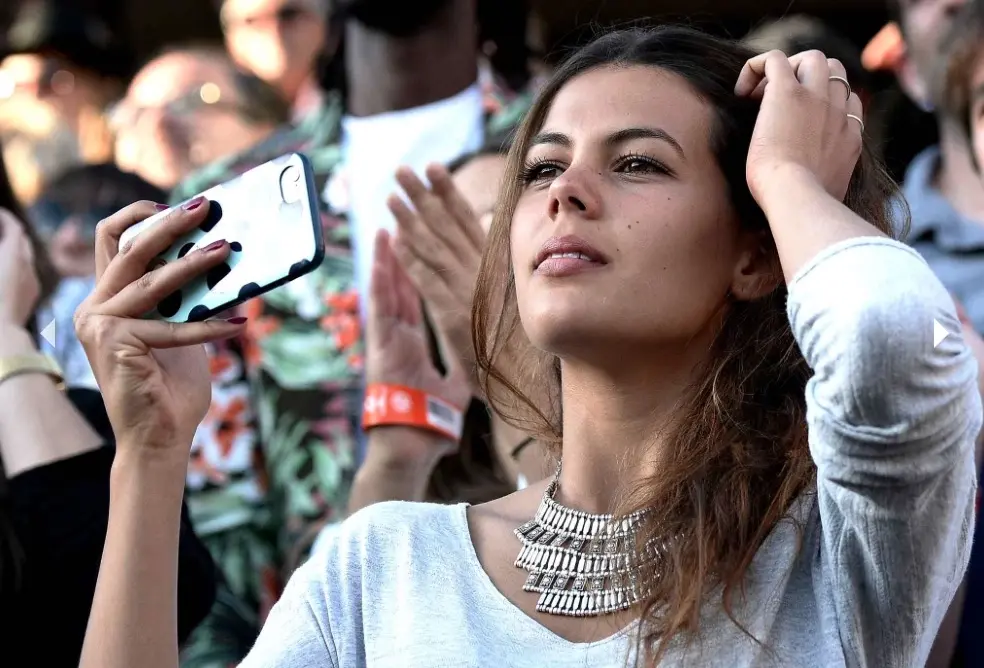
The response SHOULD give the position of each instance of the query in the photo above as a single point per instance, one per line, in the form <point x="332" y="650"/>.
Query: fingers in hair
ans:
<point x="773" y="65"/>
<point x="813" y="71"/>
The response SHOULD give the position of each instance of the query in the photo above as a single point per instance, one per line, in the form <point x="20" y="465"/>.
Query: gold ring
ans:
<point x="844" y="81"/>
<point x="858" y="119"/>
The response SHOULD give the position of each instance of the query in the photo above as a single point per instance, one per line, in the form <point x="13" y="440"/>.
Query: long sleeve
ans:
<point x="59" y="514"/>
<point x="892" y="423"/>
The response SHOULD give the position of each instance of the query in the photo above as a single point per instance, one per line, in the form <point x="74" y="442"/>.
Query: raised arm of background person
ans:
<point x="400" y="460"/>
<point x="38" y="424"/>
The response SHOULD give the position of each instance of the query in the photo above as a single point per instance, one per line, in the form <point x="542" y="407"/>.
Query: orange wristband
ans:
<point x="388" y="404"/>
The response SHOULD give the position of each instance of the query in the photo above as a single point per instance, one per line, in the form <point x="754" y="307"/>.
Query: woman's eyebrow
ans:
<point x="615" y="138"/>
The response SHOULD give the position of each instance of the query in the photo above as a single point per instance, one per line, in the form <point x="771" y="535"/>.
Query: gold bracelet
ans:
<point x="17" y="365"/>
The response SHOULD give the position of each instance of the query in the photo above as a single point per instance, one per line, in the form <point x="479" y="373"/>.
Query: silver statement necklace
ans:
<point x="583" y="565"/>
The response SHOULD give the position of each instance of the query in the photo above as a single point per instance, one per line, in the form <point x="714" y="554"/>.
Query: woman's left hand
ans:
<point x="803" y="124"/>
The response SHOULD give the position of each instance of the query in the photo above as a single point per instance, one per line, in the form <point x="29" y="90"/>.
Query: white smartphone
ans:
<point x="270" y="217"/>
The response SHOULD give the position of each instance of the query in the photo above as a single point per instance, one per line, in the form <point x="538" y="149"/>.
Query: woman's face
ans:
<point x="624" y="234"/>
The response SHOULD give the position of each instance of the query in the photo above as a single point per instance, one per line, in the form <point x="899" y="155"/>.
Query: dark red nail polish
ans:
<point x="193" y="204"/>
<point x="214" y="246"/>
<point x="236" y="321"/>
<point x="161" y="207"/>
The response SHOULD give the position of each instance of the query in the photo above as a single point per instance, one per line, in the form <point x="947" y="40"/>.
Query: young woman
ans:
<point x="679" y="221"/>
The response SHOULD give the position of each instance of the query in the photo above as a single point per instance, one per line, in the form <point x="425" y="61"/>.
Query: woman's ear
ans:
<point x="757" y="272"/>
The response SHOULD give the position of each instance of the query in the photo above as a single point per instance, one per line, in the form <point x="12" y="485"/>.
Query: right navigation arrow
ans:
<point x="939" y="333"/>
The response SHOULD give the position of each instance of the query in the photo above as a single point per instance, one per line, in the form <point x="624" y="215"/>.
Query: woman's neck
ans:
<point x="613" y="425"/>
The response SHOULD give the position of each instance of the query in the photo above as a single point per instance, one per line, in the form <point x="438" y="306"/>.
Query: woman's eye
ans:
<point x="540" y="172"/>
<point x="640" y="166"/>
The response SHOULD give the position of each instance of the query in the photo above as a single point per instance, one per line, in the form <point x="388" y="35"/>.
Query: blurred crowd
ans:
<point x="363" y="88"/>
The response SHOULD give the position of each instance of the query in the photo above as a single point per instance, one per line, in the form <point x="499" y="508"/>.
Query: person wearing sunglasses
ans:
<point x="65" y="218"/>
<point x="187" y="108"/>
<point x="60" y="65"/>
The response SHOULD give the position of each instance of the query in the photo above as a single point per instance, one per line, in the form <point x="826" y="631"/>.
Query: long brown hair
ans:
<point x="738" y="457"/>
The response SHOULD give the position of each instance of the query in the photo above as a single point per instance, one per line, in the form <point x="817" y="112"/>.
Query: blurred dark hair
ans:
<point x="69" y="32"/>
<point x="497" y="144"/>
<point x="90" y="192"/>
<point x="397" y="18"/>
<point x="503" y="24"/>
<point x="894" y="9"/>
<point x="962" y="52"/>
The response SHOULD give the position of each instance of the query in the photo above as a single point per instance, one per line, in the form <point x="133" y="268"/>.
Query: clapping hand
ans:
<point x="397" y="345"/>
<point x="439" y="244"/>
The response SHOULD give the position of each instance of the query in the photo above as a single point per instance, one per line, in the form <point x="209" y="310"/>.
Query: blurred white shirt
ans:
<point x="375" y="146"/>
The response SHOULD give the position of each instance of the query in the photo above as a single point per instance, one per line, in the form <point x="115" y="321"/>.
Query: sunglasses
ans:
<point x="48" y="216"/>
<point x="206" y="96"/>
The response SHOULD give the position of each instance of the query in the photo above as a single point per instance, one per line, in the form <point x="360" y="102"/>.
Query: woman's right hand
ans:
<point x="153" y="375"/>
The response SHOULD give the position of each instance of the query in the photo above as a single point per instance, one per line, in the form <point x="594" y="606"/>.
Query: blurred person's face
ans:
<point x="181" y="112"/>
<point x="924" y="22"/>
<point x="277" y="40"/>
<point x="70" y="238"/>
<point x="50" y="80"/>
<point x="478" y="180"/>
<point x="400" y="18"/>
<point x="72" y="250"/>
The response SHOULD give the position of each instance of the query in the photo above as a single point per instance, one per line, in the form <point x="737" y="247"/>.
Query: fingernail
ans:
<point x="161" y="207"/>
<point x="236" y="321"/>
<point x="193" y="204"/>
<point x="214" y="246"/>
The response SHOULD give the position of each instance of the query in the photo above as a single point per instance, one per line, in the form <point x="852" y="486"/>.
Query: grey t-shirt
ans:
<point x="892" y="422"/>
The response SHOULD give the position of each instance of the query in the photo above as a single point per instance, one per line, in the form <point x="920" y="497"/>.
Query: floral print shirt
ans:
<point x="274" y="459"/>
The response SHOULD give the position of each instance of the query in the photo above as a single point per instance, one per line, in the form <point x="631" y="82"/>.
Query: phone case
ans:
<point x="270" y="217"/>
